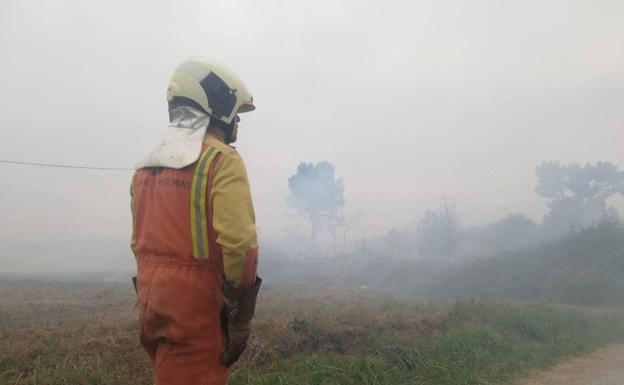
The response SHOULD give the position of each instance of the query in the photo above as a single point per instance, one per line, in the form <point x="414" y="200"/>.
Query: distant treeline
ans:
<point x="582" y="267"/>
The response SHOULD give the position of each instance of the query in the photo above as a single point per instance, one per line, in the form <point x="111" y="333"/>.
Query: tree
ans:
<point x="438" y="231"/>
<point x="316" y="193"/>
<point x="577" y="196"/>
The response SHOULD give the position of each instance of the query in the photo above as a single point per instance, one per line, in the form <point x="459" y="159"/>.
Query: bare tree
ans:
<point x="451" y="226"/>
<point x="347" y="224"/>
<point x="438" y="231"/>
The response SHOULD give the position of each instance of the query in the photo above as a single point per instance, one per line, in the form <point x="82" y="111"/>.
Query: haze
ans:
<point x="410" y="100"/>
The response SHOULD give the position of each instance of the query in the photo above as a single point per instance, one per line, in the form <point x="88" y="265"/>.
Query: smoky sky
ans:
<point x="410" y="100"/>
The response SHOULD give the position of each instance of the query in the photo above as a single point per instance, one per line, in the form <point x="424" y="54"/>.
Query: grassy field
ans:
<point x="80" y="333"/>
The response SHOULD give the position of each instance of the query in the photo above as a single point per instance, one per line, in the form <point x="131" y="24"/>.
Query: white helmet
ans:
<point x="209" y="87"/>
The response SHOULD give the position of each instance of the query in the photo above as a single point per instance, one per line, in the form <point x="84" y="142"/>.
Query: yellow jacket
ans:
<point x="233" y="217"/>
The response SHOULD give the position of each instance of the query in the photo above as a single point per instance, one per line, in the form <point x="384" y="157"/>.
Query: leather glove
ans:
<point x="240" y="305"/>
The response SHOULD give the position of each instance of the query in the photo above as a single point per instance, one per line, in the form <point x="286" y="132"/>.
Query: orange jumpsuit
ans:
<point x="191" y="228"/>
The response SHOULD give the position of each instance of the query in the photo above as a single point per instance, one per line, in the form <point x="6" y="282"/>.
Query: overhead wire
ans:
<point x="64" y="165"/>
<point x="71" y="166"/>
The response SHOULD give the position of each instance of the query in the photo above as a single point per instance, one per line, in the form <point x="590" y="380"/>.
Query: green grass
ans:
<point x="485" y="343"/>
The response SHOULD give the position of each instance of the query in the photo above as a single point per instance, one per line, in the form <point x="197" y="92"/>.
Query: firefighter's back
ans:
<point x="179" y="270"/>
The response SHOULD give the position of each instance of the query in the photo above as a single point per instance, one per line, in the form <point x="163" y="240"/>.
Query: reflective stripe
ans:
<point x="133" y="211"/>
<point x="199" y="222"/>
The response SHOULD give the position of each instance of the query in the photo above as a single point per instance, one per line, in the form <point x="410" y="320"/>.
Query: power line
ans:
<point x="64" y="166"/>
<point x="37" y="164"/>
<point x="268" y="201"/>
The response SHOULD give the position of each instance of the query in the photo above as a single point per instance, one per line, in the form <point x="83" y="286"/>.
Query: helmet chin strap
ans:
<point x="228" y="134"/>
<point x="226" y="129"/>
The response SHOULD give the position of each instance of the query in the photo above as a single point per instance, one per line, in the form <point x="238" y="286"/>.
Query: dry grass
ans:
<point x="293" y="320"/>
<point x="48" y="329"/>
<point x="52" y="330"/>
<point x="82" y="333"/>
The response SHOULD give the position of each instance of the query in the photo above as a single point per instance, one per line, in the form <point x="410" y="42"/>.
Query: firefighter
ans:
<point x="194" y="234"/>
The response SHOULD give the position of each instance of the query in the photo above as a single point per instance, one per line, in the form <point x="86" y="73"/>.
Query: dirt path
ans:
<point x="604" y="366"/>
